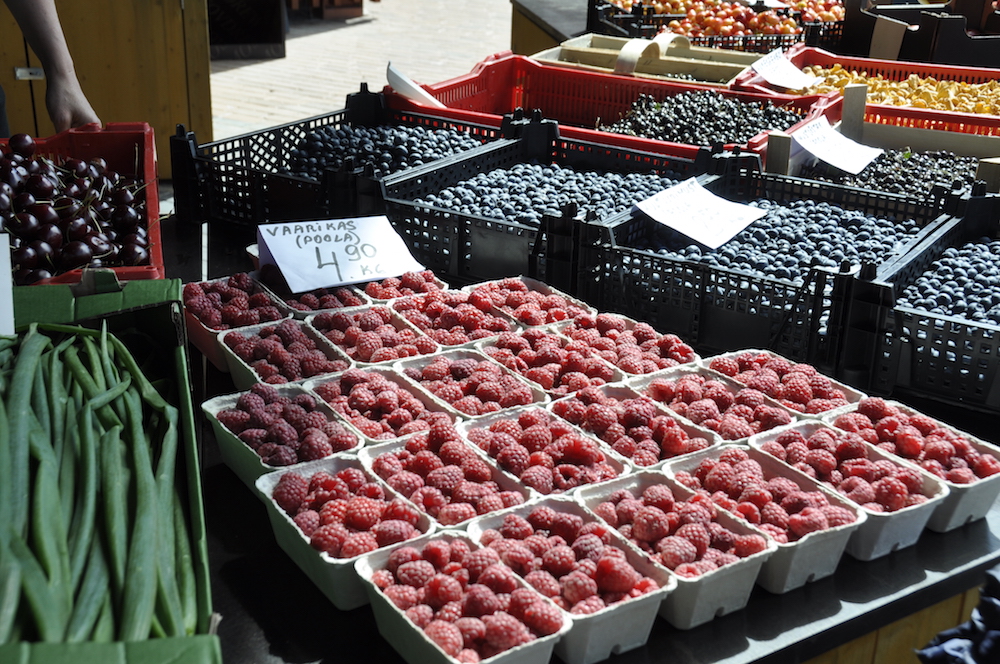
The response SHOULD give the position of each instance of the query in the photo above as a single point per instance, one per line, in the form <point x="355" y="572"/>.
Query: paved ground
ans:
<point x="428" y="40"/>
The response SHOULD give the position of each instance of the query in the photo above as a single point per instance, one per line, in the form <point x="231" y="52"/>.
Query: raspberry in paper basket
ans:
<point x="634" y="348"/>
<point x="283" y="430"/>
<point x="938" y="449"/>
<point x="451" y="318"/>
<point x="776" y="505"/>
<point x="378" y="407"/>
<point x="536" y="447"/>
<point x="283" y="352"/>
<point x="468" y="621"/>
<point x="229" y="303"/>
<point x="685" y="538"/>
<point x="633" y="427"/>
<point x="883" y="485"/>
<point x="584" y="575"/>
<point x="451" y="492"/>
<point x="409" y="283"/>
<point x="370" y="335"/>
<point x="799" y="387"/>
<point x="528" y="306"/>
<point x="473" y="387"/>
<point x="733" y="414"/>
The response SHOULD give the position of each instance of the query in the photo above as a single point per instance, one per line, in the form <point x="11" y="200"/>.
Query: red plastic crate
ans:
<point x="905" y="116"/>
<point x="129" y="149"/>
<point x="579" y="99"/>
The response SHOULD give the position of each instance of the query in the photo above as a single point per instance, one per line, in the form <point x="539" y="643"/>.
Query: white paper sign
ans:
<point x="333" y="252"/>
<point x="778" y="70"/>
<point x="6" y="287"/>
<point x="696" y="212"/>
<point x="824" y="142"/>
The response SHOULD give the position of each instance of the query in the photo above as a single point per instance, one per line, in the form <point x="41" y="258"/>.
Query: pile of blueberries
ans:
<point x="523" y="193"/>
<point x="789" y="239"/>
<point x="388" y="148"/>
<point x="904" y="172"/>
<point x="963" y="282"/>
<point x="703" y="117"/>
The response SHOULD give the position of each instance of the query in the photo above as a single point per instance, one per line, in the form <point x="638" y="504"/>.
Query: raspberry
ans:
<point x="543" y="618"/>
<point x="479" y="601"/>
<point x="577" y="586"/>
<point x="499" y="578"/>
<point x="809" y="520"/>
<point x="891" y="493"/>
<point x="363" y="513"/>
<point x="392" y="531"/>
<point x="747" y="545"/>
<point x="328" y="539"/>
<point x="615" y="575"/>
<point x="446" y="635"/>
<point x="587" y="606"/>
<point x="504" y="631"/>
<point x="289" y="492"/>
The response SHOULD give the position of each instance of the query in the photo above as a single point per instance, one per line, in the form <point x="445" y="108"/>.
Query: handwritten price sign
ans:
<point x="323" y="254"/>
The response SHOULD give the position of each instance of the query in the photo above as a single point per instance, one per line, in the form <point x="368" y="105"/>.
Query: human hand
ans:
<point x="67" y="105"/>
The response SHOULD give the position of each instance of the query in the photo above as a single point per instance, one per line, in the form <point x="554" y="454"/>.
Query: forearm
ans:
<point x="39" y="22"/>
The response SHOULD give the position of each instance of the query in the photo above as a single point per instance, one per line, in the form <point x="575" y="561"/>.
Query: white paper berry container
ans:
<point x="695" y="601"/>
<point x="502" y="481"/>
<point x="641" y="385"/>
<point x="244" y="376"/>
<point x="964" y="503"/>
<point x="240" y="457"/>
<point x="391" y="375"/>
<point x="852" y="395"/>
<point x="208" y="340"/>
<point x="615" y="375"/>
<point x="882" y="532"/>
<point x="398" y="305"/>
<point x="562" y="328"/>
<point x="621" y="392"/>
<point x="303" y="314"/>
<point x="614" y="629"/>
<point x="538" y="395"/>
<point x="576" y="306"/>
<point x="797" y="563"/>
<point x="335" y="577"/>
<point x="411" y="642"/>
<point x="395" y="320"/>
<point x="618" y="463"/>
<point x="437" y="281"/>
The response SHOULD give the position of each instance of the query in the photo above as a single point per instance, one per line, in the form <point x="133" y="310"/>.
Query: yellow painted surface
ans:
<point x="526" y="38"/>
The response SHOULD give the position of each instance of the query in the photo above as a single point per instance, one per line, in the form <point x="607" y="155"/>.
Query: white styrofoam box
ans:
<point x="803" y="561"/>
<point x="395" y="320"/>
<point x="240" y="457"/>
<point x="618" y="463"/>
<point x="615" y="374"/>
<point x="538" y="395"/>
<point x="882" y="532"/>
<point x="389" y="374"/>
<point x="964" y="503"/>
<point x="503" y="481"/>
<point x="622" y="391"/>
<point x="576" y="306"/>
<point x="399" y="305"/>
<point x="614" y="629"/>
<point x="695" y="601"/>
<point x="641" y="384"/>
<point x="441" y="285"/>
<point x="303" y="314"/>
<point x="335" y="577"/>
<point x="852" y="395"/>
<point x="411" y="642"/>
<point x="208" y="340"/>
<point x="244" y="375"/>
<point x="630" y="323"/>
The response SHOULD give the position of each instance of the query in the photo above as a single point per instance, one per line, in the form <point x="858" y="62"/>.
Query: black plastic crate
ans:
<point x="919" y="353"/>
<point x="719" y="310"/>
<point x="470" y="248"/>
<point x="239" y="180"/>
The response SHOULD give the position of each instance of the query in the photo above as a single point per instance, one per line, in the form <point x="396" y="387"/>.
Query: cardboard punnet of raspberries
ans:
<point x="372" y="335"/>
<point x="634" y="347"/>
<point x="714" y="401"/>
<point x="460" y="599"/>
<point x="451" y="317"/>
<point x="443" y="475"/>
<point x="471" y="384"/>
<point x="544" y="452"/>
<point x="795" y="385"/>
<point x="529" y="301"/>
